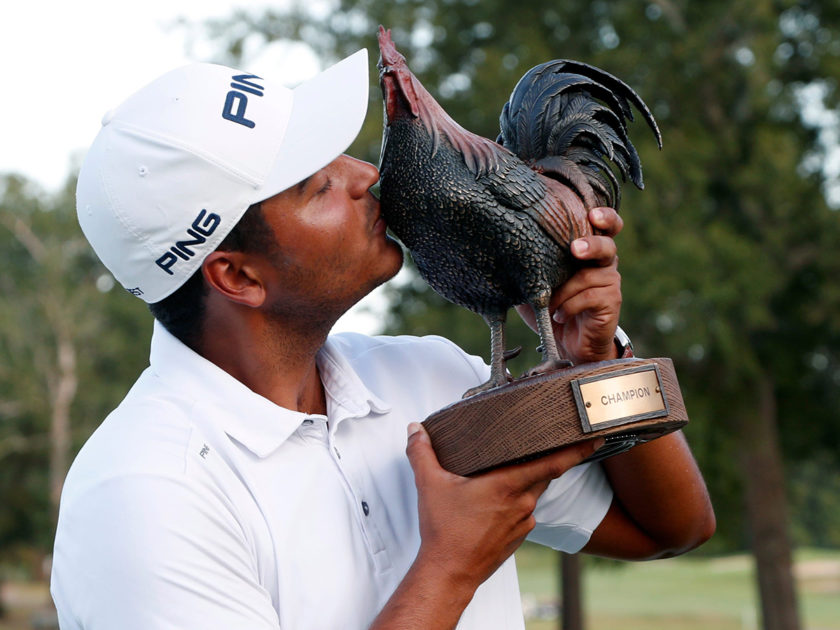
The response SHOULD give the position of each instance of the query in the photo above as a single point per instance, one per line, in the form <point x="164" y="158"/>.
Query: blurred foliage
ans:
<point x="56" y="295"/>
<point x="815" y="500"/>
<point x="730" y="256"/>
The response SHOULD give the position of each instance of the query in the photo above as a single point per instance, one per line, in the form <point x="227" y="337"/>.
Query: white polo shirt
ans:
<point x="200" y="504"/>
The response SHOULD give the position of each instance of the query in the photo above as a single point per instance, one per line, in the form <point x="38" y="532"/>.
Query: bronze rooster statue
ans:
<point x="490" y="224"/>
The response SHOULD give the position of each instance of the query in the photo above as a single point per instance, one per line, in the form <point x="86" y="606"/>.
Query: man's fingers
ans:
<point x="606" y="220"/>
<point x="601" y="250"/>
<point x="589" y="300"/>
<point x="551" y="466"/>
<point x="586" y="279"/>
<point x="420" y="453"/>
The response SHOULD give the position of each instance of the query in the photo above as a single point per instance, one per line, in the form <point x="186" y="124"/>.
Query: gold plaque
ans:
<point x="621" y="397"/>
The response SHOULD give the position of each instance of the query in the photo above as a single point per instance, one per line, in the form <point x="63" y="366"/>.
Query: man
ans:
<point x="258" y="475"/>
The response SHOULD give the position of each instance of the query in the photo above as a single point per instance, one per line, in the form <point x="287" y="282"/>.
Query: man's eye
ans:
<point x="327" y="185"/>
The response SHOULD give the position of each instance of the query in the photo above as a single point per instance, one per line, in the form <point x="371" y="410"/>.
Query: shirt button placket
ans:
<point x="367" y="522"/>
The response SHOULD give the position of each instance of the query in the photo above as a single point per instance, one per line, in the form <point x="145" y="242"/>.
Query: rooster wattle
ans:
<point x="489" y="224"/>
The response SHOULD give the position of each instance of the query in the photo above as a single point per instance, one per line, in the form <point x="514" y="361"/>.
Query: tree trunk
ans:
<point x="571" y="600"/>
<point x="63" y="395"/>
<point x="63" y="386"/>
<point x="767" y="516"/>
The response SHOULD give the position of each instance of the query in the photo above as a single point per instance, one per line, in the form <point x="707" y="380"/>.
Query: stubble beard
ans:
<point x="317" y="313"/>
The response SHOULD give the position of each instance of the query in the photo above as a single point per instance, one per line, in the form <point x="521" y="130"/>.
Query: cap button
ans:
<point x="108" y="117"/>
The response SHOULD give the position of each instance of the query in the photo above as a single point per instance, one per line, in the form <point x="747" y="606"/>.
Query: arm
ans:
<point x="660" y="507"/>
<point x="150" y="551"/>
<point x="468" y="527"/>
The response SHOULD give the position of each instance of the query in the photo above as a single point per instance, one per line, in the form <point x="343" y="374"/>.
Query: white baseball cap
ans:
<point x="175" y="166"/>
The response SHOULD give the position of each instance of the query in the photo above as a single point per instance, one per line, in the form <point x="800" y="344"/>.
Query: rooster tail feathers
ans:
<point x="619" y="88"/>
<point x="602" y="179"/>
<point x="578" y="112"/>
<point x="569" y="172"/>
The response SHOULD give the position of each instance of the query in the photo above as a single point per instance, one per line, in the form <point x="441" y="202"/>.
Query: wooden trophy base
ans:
<point x="626" y="401"/>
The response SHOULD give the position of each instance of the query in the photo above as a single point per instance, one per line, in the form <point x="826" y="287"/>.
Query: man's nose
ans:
<point x="361" y="175"/>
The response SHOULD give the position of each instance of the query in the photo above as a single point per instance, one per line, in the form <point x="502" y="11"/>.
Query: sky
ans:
<point x="67" y="63"/>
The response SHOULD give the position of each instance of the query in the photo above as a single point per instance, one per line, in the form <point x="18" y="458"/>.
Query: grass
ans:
<point x="688" y="593"/>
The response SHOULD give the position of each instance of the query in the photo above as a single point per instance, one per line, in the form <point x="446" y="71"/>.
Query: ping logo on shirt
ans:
<point x="203" y="226"/>
<point x="237" y="100"/>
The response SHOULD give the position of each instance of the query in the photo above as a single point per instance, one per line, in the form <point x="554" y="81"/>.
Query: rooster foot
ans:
<point x="490" y="384"/>
<point x="549" y="365"/>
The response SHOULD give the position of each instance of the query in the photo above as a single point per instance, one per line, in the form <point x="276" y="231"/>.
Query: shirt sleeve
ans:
<point x="571" y="508"/>
<point x="153" y="552"/>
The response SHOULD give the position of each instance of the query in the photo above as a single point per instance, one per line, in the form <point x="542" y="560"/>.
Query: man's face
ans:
<point x="332" y="249"/>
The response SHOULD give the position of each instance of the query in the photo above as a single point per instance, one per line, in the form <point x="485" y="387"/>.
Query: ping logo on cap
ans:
<point x="237" y="100"/>
<point x="203" y="226"/>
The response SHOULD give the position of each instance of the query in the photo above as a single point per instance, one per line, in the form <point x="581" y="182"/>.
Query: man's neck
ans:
<point x="274" y="361"/>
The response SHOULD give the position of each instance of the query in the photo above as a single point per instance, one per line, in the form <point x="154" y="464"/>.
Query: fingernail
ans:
<point x="598" y="215"/>
<point x="558" y="317"/>
<point x="413" y="428"/>
<point x="580" y="246"/>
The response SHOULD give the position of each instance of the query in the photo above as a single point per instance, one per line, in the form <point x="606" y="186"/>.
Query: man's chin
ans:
<point x="399" y="259"/>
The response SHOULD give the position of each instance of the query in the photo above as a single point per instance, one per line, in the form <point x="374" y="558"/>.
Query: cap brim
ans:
<point x="327" y="114"/>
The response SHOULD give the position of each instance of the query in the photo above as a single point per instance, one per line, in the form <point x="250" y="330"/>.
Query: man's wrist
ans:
<point x="427" y="597"/>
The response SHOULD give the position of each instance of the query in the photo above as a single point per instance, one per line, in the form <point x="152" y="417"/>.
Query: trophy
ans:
<point x="489" y="226"/>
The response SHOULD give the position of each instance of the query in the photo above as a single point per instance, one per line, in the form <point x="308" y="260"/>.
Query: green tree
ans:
<point x="728" y="259"/>
<point x="68" y="351"/>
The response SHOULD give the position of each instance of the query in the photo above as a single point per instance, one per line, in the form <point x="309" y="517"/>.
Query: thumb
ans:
<point x="419" y="449"/>
<point x="554" y="464"/>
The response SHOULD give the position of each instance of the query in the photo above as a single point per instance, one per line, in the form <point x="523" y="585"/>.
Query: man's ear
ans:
<point x="235" y="276"/>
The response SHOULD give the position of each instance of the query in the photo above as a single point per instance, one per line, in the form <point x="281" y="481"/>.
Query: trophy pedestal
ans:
<point x="625" y="401"/>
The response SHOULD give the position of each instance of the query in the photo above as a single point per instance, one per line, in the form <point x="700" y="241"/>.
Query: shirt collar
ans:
<point x="252" y="420"/>
<point x="347" y="395"/>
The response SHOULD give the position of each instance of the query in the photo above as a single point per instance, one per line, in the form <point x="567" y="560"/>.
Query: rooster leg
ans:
<point x="498" y="356"/>
<point x="551" y="357"/>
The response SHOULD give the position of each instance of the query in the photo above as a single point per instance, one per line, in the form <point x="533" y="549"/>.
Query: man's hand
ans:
<point x="468" y="527"/>
<point x="586" y="307"/>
